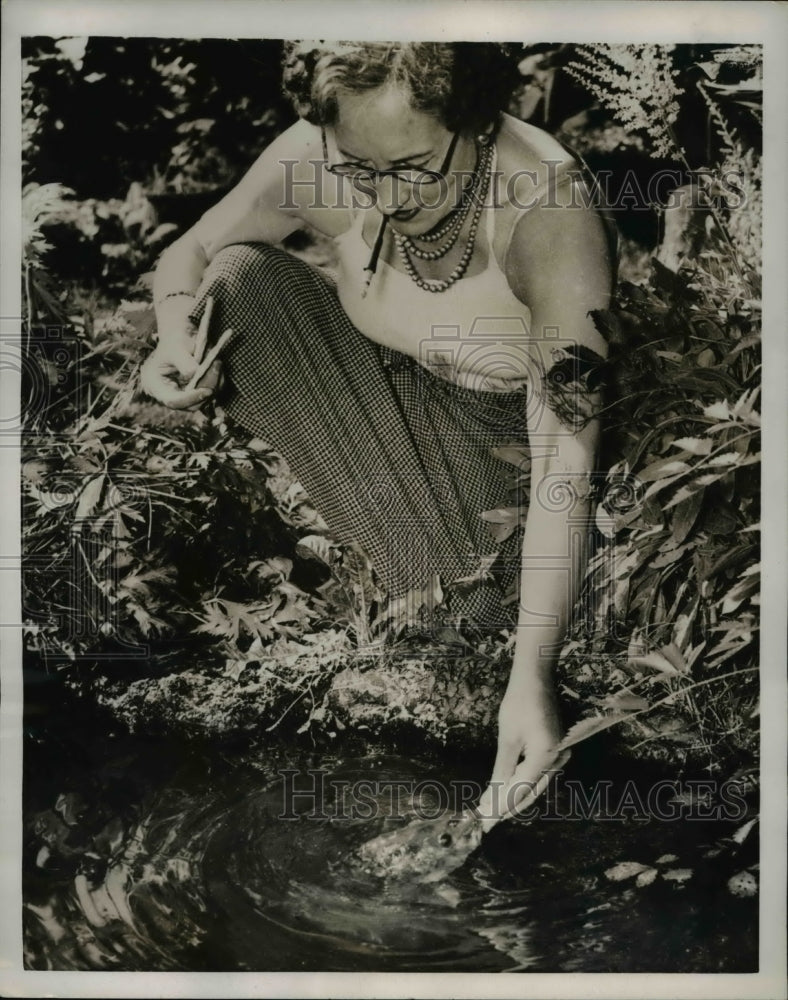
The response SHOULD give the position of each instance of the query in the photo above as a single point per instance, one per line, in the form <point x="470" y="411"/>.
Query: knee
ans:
<point x="238" y="265"/>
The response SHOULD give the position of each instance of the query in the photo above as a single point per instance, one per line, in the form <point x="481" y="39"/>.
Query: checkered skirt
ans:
<point x="395" y="458"/>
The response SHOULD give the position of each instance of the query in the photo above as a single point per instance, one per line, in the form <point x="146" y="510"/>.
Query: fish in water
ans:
<point x="425" y="850"/>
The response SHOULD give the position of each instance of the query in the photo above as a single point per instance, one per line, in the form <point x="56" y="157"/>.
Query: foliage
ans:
<point x="118" y="494"/>
<point x="116" y="509"/>
<point x="638" y="83"/>
<point x="670" y="618"/>
<point x="180" y="114"/>
<point x="90" y="242"/>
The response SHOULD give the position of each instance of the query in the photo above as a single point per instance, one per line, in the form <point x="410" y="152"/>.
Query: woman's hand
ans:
<point x="170" y="366"/>
<point x="528" y="727"/>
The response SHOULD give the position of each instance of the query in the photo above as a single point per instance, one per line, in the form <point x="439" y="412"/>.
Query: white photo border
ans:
<point x="500" y="20"/>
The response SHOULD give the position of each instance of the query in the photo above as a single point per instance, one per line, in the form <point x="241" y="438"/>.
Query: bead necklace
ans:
<point x="472" y="196"/>
<point x="455" y="219"/>
<point x="405" y="246"/>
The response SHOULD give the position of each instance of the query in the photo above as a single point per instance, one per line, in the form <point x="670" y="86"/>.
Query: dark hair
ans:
<point x="464" y="84"/>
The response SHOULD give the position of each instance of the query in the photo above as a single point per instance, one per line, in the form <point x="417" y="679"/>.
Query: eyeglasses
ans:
<point x="367" y="175"/>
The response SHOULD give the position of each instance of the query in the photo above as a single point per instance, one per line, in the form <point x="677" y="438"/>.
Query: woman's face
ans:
<point x="380" y="129"/>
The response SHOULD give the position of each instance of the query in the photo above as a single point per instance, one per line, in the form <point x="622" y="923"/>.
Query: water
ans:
<point x="155" y="856"/>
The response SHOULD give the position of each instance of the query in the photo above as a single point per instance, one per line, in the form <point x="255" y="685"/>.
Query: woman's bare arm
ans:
<point x="285" y="188"/>
<point x="558" y="264"/>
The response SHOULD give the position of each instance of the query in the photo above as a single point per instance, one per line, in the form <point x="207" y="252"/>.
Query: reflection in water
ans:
<point x="193" y="867"/>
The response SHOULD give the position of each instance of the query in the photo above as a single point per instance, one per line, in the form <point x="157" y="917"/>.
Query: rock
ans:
<point x="625" y="869"/>
<point x="743" y="884"/>
<point x="666" y="859"/>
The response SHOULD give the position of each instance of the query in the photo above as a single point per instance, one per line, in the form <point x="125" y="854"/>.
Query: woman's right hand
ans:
<point x="168" y="369"/>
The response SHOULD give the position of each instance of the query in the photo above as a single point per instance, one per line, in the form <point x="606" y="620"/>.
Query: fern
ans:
<point x="637" y="84"/>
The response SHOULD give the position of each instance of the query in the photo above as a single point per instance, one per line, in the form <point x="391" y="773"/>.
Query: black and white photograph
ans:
<point x="384" y="510"/>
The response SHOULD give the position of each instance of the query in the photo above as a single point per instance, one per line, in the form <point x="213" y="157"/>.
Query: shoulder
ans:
<point x="534" y="175"/>
<point x="286" y="185"/>
<point x="292" y="168"/>
<point x="305" y="187"/>
<point x="529" y="160"/>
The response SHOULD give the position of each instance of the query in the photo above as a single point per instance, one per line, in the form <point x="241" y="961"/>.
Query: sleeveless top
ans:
<point x="475" y="333"/>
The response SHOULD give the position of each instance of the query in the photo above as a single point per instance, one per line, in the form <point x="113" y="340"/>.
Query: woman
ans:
<point x="387" y="390"/>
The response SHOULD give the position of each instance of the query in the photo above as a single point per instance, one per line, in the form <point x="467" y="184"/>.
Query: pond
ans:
<point x="148" y="854"/>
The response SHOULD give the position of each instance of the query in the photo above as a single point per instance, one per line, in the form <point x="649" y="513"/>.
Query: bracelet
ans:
<point x="172" y="295"/>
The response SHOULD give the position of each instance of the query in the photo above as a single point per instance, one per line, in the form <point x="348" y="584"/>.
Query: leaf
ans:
<point x="605" y="524"/>
<point x="625" y="701"/>
<point x="590" y="727"/>
<point x="503" y="522"/>
<point x="671" y="555"/>
<point x="685" y="516"/>
<point x="661" y="484"/>
<point x="234" y="668"/>
<point x="678" y="875"/>
<point x="730" y="559"/>
<point x="744" y="406"/>
<point x="718" y="411"/>
<point x="624" y="870"/>
<point x="519" y="456"/>
<point x="147" y="622"/>
<point x="683" y="493"/>
<point x="740" y="835"/>
<point x="743" y="884"/>
<point x="89" y="497"/>
<point x="277" y="567"/>
<point x="502" y="515"/>
<point x="744" y="587"/>
<point x="720" y="519"/>
<point x="463" y="585"/>
<point x="673" y="654"/>
<point x="160" y="232"/>
<point x="726" y="458"/>
<point x="86" y="901"/>
<point x="663" y="468"/>
<point x="655" y="660"/>
<point x="317" y="546"/>
<point x="695" y="446"/>
<point x="200" y="459"/>
<point x="139" y="316"/>
<point x="646" y="877"/>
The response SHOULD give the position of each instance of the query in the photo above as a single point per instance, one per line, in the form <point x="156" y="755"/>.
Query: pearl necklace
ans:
<point x="405" y="245"/>
<point x="453" y="222"/>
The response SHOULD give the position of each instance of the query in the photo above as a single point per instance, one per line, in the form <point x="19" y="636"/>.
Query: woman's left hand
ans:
<point x="528" y="727"/>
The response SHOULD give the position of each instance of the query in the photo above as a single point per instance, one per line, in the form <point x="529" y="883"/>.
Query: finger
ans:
<point x="211" y="379"/>
<point x="161" y="376"/>
<point x="178" y="399"/>
<point x="488" y="808"/>
<point x="531" y="779"/>
<point x="182" y="364"/>
<point x="492" y="803"/>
